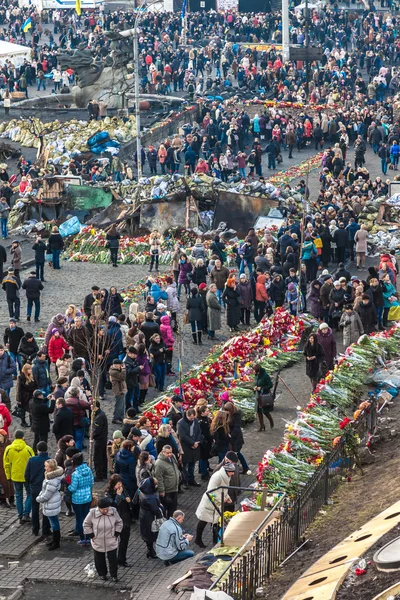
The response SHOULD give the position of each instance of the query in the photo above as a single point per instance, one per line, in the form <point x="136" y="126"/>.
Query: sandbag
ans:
<point x="70" y="227"/>
<point x="99" y="137"/>
<point x="394" y="313"/>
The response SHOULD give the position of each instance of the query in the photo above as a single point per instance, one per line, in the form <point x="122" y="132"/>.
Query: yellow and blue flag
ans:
<point x="27" y="25"/>
<point x="78" y="7"/>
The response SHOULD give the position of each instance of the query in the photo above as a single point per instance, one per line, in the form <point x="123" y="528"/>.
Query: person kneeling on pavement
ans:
<point x="172" y="544"/>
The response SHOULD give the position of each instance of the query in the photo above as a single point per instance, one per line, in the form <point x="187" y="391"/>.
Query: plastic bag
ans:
<point x="71" y="227"/>
<point x="198" y="594"/>
<point x="99" y="137"/>
<point x="90" y="571"/>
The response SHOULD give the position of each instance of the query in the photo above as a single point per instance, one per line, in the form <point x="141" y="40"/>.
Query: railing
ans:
<point x="269" y="545"/>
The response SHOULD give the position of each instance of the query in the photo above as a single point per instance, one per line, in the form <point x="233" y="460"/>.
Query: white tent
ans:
<point x="14" y="52"/>
<point x="310" y="6"/>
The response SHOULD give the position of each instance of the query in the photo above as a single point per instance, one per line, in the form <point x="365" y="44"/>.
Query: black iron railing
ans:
<point x="269" y="545"/>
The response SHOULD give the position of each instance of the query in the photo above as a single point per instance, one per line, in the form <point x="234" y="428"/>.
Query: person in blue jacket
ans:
<point x="125" y="465"/>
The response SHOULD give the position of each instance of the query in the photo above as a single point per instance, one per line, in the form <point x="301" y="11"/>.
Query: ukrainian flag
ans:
<point x="27" y="25"/>
<point x="78" y="7"/>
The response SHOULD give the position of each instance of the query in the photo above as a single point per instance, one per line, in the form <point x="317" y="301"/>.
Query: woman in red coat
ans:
<point x="57" y="346"/>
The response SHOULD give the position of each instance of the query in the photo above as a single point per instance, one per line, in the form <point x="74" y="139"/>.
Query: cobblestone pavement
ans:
<point x="146" y="578"/>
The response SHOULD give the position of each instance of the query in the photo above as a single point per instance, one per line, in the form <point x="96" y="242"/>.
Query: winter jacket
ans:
<point x="198" y="251"/>
<point x="125" y="465"/>
<point x="34" y="472"/>
<point x="352" y="328"/>
<point x="231" y="297"/>
<point x="387" y="291"/>
<point x="78" y="408"/>
<point x="63" y="422"/>
<point x="100" y="426"/>
<point x="103" y="528"/>
<point x="13" y="338"/>
<point x="57" y="348"/>
<point x="54" y="324"/>
<point x="158" y="293"/>
<point x="219" y="277"/>
<point x="16" y="257"/>
<point x="170" y="540"/>
<point x="309" y="251"/>
<point x="149" y="328"/>
<point x="41" y="374"/>
<point x="213" y="312"/>
<point x="5" y="413"/>
<point x="118" y="381"/>
<point x="150" y="507"/>
<point x="81" y="484"/>
<point x="187" y="439"/>
<point x="28" y="349"/>
<point x="40" y="251"/>
<point x="173" y="303"/>
<point x="328" y="343"/>
<point x="50" y="495"/>
<point x="175" y="415"/>
<point x="277" y="291"/>
<point x="341" y="237"/>
<point x="40" y="411"/>
<point x="199" y="275"/>
<point x="206" y="511"/>
<point x="78" y="338"/>
<point x="115" y="337"/>
<point x="184" y="269"/>
<point x="195" y="307"/>
<point x="261" y="292"/>
<point x="167" y="474"/>
<point x="361" y="240"/>
<point x="368" y="316"/>
<point x="33" y="287"/>
<point x="15" y="459"/>
<point x="7" y="368"/>
<point x="377" y="294"/>
<point x="11" y="285"/>
<point x="132" y="370"/>
<point x="166" y="331"/>
<point x="324" y="294"/>
<point x="246" y="294"/>
<point x="55" y="242"/>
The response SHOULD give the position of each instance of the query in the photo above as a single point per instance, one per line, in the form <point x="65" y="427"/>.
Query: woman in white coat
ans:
<point x="50" y="497"/>
<point x="206" y="511"/>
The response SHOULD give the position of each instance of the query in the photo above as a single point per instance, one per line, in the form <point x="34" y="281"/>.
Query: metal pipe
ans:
<point x="285" y="31"/>
<point x="137" y="99"/>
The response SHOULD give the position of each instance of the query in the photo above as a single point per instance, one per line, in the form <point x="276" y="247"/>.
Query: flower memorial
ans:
<point x="329" y="416"/>
<point x="229" y="367"/>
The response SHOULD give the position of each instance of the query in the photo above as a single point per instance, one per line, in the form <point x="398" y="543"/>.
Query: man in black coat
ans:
<point x="342" y="272"/>
<point x="11" y="285"/>
<point x="40" y="250"/>
<point x="89" y="299"/>
<point x="33" y="287"/>
<point x="3" y="259"/>
<point x="132" y="369"/>
<point x="341" y="239"/>
<point x="100" y="435"/>
<point x="176" y="411"/>
<point x="149" y="328"/>
<point x="64" y="420"/>
<point x="34" y="477"/>
<point x="190" y="436"/>
<point x="40" y="421"/>
<point x="12" y="337"/>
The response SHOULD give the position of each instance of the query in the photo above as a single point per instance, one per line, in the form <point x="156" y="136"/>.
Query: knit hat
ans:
<point x="19" y="434"/>
<point x="161" y="306"/>
<point x="325" y="272"/>
<point x="104" y="503"/>
<point x="117" y="434"/>
<point x="291" y="287"/>
<point x="59" y="317"/>
<point x="224" y="397"/>
<point x="54" y="330"/>
<point x="324" y="326"/>
<point x="203" y="286"/>
<point x="112" y="319"/>
<point x="117" y="361"/>
<point x="136" y="432"/>
<point x="12" y="320"/>
<point x="337" y="282"/>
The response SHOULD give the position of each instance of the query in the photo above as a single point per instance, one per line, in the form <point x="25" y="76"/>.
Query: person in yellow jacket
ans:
<point x="15" y="459"/>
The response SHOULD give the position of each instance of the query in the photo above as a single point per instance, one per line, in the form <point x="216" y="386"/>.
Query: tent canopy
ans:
<point x="14" y="52"/>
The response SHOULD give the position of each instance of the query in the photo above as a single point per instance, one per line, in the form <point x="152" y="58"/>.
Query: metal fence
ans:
<point x="269" y="545"/>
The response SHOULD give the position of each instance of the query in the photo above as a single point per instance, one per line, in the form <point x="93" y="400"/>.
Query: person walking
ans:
<point x="213" y="312"/>
<point x="117" y="374"/>
<point x="15" y="459"/>
<point x="40" y="410"/>
<point x="196" y="309"/>
<point x="81" y="488"/>
<point x="12" y="338"/>
<point x="34" y="477"/>
<point x="236" y="440"/>
<point x="231" y="297"/>
<point x="150" y="509"/>
<point x="263" y="385"/>
<point x="103" y="526"/>
<point x="112" y="243"/>
<point x="190" y="437"/>
<point x="11" y="285"/>
<point x="122" y="502"/>
<point x="206" y="511"/>
<point x="55" y="246"/>
<point x="50" y="497"/>
<point x="172" y="544"/>
<point x="16" y="257"/>
<point x="167" y="473"/>
<point x="40" y="251"/>
<point x="314" y="353"/>
<point x="100" y="436"/>
<point x="4" y="214"/>
<point x="157" y="352"/>
<point x="33" y="287"/>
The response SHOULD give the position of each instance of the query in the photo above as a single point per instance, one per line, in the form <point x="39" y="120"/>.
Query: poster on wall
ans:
<point x="223" y="5"/>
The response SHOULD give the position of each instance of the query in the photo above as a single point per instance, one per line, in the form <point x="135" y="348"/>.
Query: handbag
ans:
<point x="336" y="314"/>
<point x="266" y="401"/>
<point x="157" y="522"/>
<point x="186" y="317"/>
<point x="152" y="380"/>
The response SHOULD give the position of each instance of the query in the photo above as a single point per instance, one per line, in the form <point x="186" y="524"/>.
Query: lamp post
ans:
<point x="137" y="99"/>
